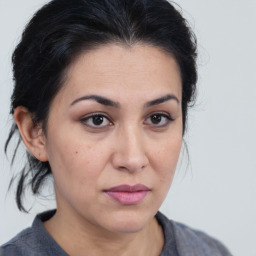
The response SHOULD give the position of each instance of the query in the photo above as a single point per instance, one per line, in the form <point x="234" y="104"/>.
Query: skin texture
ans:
<point x="128" y="147"/>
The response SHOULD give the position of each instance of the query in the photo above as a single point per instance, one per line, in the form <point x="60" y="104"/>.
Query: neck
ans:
<point x="78" y="239"/>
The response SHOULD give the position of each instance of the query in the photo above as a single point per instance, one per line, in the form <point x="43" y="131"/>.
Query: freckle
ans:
<point x="76" y="152"/>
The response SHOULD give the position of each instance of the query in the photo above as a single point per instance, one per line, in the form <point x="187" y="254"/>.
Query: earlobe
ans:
<point x="31" y="133"/>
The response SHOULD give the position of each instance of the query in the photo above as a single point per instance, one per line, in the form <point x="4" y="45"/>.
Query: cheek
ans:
<point x="165" y="160"/>
<point x="86" y="163"/>
<point x="82" y="162"/>
<point x="78" y="170"/>
<point x="71" y="162"/>
<point x="167" y="153"/>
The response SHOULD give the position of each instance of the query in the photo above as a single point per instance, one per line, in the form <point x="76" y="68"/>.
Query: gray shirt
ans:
<point x="180" y="240"/>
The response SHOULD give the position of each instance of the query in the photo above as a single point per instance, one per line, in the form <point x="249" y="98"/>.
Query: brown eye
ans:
<point x="156" y="119"/>
<point x="96" y="121"/>
<point x="159" y="120"/>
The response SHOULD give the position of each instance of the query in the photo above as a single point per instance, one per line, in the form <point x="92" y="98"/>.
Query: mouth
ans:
<point x="128" y="195"/>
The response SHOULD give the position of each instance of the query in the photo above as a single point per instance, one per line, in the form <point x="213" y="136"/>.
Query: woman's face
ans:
<point x="114" y="136"/>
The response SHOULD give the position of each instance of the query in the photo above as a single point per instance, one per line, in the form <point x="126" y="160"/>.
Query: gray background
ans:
<point x="216" y="191"/>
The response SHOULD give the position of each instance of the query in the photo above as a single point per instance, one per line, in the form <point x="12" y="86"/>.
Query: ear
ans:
<point x="32" y="134"/>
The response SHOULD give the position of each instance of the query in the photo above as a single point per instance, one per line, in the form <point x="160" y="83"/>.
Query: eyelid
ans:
<point x="88" y="116"/>
<point x="163" y="114"/>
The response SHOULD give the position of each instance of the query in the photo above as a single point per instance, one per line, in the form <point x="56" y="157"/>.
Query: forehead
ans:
<point x="122" y="70"/>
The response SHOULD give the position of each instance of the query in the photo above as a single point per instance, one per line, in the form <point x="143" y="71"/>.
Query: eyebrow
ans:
<point x="99" y="99"/>
<point x="107" y="102"/>
<point x="161" y="100"/>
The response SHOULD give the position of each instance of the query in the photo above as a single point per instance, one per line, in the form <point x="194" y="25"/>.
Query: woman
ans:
<point x="100" y="100"/>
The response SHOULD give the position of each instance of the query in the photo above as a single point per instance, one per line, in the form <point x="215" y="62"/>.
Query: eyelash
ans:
<point x="167" y="117"/>
<point x="84" y="121"/>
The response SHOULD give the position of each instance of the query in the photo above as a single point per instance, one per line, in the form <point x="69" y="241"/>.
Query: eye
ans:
<point x="96" y="121"/>
<point x="159" y="119"/>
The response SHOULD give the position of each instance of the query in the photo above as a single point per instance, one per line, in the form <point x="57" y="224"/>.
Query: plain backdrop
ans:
<point x="214" y="192"/>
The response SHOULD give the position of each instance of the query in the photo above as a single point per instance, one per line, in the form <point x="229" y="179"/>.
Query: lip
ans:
<point x="127" y="194"/>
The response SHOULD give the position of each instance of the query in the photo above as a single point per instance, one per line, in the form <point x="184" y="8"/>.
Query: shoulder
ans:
<point x="188" y="239"/>
<point x="33" y="241"/>
<point x="19" y="245"/>
<point x="191" y="242"/>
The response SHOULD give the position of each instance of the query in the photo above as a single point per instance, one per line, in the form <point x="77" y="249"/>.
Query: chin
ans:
<point x="129" y="221"/>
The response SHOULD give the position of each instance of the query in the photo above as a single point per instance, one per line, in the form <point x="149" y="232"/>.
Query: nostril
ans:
<point x="122" y="168"/>
<point x="130" y="166"/>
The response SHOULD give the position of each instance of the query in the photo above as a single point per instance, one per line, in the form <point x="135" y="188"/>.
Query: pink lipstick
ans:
<point x="126" y="194"/>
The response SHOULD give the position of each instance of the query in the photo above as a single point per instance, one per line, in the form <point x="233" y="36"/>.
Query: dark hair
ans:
<point x="63" y="29"/>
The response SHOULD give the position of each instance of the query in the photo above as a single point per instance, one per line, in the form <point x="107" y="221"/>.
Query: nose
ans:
<point x="130" y="151"/>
